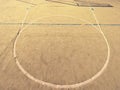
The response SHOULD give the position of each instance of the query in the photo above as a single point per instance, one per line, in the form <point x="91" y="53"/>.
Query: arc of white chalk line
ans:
<point x="100" y="29"/>
<point x="63" y="86"/>
<point x="26" y="14"/>
<point x="21" y="26"/>
<point x="53" y="85"/>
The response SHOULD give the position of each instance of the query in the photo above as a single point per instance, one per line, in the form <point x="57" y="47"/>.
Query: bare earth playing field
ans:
<point x="48" y="45"/>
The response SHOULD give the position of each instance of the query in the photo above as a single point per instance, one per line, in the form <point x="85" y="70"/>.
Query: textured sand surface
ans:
<point x="62" y="45"/>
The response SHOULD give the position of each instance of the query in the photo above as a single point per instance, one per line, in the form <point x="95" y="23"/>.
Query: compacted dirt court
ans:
<point x="59" y="45"/>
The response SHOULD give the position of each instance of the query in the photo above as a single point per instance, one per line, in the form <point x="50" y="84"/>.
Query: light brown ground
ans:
<point x="59" y="54"/>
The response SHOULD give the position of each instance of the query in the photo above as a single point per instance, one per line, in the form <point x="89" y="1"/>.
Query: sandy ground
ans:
<point x="62" y="46"/>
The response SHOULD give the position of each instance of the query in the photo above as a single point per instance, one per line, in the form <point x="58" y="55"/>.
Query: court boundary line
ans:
<point x="52" y="24"/>
<point x="26" y="2"/>
<point x="94" y="77"/>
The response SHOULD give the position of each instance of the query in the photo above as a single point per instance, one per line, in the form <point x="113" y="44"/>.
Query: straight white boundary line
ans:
<point x="98" y="74"/>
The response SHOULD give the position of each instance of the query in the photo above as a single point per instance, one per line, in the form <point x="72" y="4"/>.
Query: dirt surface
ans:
<point x="59" y="44"/>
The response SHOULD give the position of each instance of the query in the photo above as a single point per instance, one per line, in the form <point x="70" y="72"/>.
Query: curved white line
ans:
<point x="64" y="86"/>
<point x="107" y="43"/>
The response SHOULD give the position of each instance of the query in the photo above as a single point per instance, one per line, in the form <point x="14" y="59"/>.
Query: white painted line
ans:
<point x="77" y="85"/>
<point x="107" y="43"/>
